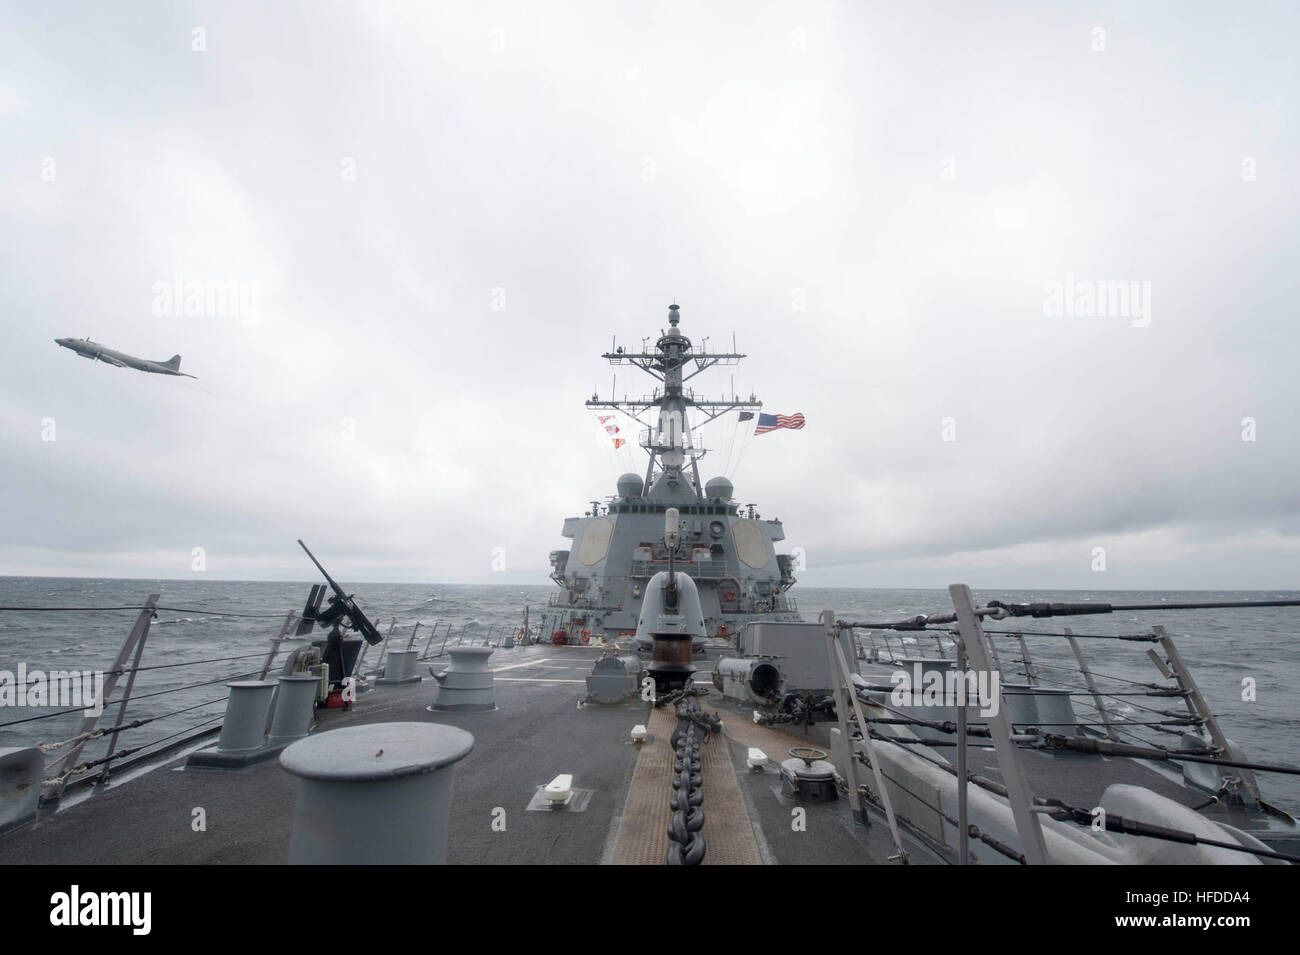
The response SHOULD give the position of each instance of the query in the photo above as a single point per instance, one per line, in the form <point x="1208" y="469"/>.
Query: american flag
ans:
<point x="770" y="422"/>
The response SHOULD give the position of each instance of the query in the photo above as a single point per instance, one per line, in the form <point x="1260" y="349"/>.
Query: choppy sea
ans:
<point x="1247" y="662"/>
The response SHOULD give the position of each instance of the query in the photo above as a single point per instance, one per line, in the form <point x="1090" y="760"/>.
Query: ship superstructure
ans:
<point x="727" y="548"/>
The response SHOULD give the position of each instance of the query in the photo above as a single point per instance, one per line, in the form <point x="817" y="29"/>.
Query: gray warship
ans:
<point x="657" y="736"/>
<point x="788" y="746"/>
<point x="727" y="549"/>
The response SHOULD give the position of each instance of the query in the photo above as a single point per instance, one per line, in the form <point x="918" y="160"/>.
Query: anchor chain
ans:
<point x="685" y="825"/>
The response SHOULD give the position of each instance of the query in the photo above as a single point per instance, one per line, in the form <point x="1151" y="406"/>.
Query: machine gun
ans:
<point x="342" y="605"/>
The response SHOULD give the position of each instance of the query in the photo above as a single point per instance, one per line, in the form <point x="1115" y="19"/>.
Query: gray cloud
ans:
<point x="918" y="178"/>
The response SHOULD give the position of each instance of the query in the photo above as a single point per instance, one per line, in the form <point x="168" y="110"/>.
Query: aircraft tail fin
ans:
<point x="173" y="365"/>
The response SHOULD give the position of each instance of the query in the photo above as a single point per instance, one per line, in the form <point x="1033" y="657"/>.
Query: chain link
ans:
<point x="687" y="821"/>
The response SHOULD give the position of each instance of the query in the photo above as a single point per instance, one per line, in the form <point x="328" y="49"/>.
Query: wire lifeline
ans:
<point x="144" y="696"/>
<point x="1135" y="827"/>
<point x="137" y="609"/>
<point x="133" y="724"/>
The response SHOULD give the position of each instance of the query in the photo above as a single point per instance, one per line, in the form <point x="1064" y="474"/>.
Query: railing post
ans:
<point x="842" y="713"/>
<point x="275" y="644"/>
<point x="1199" y="708"/>
<point x="1030" y="677"/>
<point x="121" y="708"/>
<point x="384" y="649"/>
<point x="1092" y="686"/>
<point x="846" y="694"/>
<point x="357" y="672"/>
<point x="1020" y="795"/>
<point x="428" y="643"/>
<point x="88" y="723"/>
<point x="992" y="647"/>
<point x="963" y="772"/>
<point x="410" y="643"/>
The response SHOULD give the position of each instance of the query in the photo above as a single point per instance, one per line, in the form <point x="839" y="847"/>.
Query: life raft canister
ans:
<point x="560" y="637"/>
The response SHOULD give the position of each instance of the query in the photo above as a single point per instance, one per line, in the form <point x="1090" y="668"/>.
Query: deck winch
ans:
<point x="783" y="668"/>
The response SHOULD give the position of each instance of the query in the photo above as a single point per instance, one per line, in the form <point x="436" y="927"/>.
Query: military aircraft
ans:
<point x="93" y="350"/>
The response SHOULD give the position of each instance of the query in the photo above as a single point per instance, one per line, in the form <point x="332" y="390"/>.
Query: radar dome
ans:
<point x="719" y="487"/>
<point x="629" y="485"/>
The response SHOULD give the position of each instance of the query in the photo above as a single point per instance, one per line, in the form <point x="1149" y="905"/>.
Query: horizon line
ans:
<point x="411" y="583"/>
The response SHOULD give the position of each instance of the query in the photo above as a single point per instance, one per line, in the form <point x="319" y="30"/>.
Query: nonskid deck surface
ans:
<point x="537" y="732"/>
<point x="825" y="833"/>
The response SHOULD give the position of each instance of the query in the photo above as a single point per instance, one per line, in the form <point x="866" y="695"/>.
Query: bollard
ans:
<point x="374" y="794"/>
<point x="1056" y="712"/>
<point x="465" y="686"/>
<point x="244" y="727"/>
<point x="399" y="669"/>
<point x="243" y="731"/>
<point x="1046" y="708"/>
<point x="1019" y="701"/>
<point x="295" y="706"/>
<point x="21" y="769"/>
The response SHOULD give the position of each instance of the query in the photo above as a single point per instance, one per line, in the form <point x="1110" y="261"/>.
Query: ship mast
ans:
<point x="669" y="439"/>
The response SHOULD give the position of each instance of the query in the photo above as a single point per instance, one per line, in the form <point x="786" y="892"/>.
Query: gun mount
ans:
<point x="342" y="605"/>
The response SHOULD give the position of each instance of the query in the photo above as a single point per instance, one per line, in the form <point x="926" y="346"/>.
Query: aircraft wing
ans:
<point x="111" y="361"/>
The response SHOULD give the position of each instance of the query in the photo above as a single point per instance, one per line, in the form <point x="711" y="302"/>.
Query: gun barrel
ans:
<point x="337" y="589"/>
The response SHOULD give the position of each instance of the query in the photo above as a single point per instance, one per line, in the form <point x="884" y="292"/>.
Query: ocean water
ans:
<point x="230" y="623"/>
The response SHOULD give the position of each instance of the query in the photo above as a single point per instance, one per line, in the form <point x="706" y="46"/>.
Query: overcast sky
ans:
<point x="447" y="211"/>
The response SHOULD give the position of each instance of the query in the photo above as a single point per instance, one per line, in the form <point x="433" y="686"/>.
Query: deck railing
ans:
<point x="70" y="764"/>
